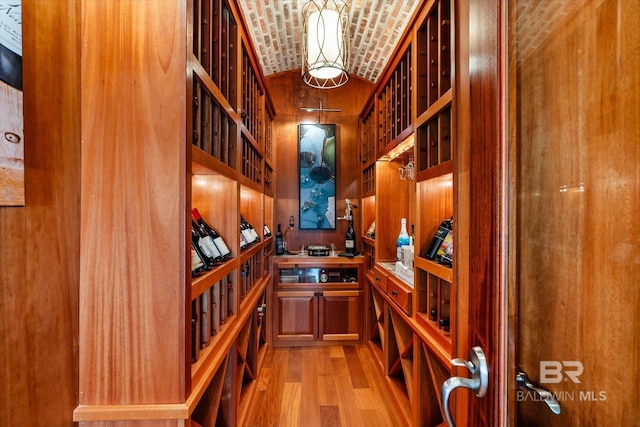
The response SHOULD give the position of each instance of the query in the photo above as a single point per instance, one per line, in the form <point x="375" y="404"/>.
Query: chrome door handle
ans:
<point x="523" y="381"/>
<point x="477" y="366"/>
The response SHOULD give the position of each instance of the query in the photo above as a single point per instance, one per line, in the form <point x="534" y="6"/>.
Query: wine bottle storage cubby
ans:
<point x="434" y="305"/>
<point x="394" y="103"/>
<point x="206" y="413"/>
<point x="268" y="180"/>
<point x="400" y="359"/>
<point x="439" y="304"/>
<point x="215" y="32"/>
<point x="268" y="137"/>
<point x="213" y="131"/>
<point x="434" y="141"/>
<point x="252" y="97"/>
<point x="369" y="252"/>
<point x="251" y="273"/>
<point x="369" y="180"/>
<point x="210" y="311"/>
<point x="368" y="136"/>
<point x="434" y="56"/>
<point x="376" y="324"/>
<point x="251" y="161"/>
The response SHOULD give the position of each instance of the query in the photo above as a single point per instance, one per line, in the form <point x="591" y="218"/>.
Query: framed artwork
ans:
<point x="317" y="176"/>
<point x="11" y="101"/>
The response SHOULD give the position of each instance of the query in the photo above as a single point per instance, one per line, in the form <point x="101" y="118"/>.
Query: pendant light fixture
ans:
<point x="325" y="43"/>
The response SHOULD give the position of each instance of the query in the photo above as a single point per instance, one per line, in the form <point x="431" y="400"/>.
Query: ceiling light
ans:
<point x="325" y="47"/>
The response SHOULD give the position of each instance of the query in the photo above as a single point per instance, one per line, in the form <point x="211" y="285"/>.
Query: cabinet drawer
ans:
<point x="400" y="294"/>
<point x="380" y="278"/>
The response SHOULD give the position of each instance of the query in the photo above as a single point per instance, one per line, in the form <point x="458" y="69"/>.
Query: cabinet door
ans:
<point x="296" y="314"/>
<point x="340" y="315"/>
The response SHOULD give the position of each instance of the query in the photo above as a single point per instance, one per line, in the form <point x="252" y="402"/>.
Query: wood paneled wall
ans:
<point x="40" y="242"/>
<point x="289" y="93"/>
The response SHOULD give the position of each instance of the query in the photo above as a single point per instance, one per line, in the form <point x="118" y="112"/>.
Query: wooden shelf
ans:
<point x="439" y="270"/>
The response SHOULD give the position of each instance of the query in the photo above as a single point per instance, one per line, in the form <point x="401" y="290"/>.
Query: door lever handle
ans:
<point x="477" y="366"/>
<point x="523" y="381"/>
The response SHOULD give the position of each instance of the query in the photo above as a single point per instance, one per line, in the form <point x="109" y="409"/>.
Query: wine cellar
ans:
<point x="167" y="269"/>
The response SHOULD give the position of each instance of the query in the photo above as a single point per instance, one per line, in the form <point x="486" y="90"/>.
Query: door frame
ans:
<point x="482" y="181"/>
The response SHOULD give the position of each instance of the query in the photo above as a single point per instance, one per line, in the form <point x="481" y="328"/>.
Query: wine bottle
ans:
<point x="350" y="239"/>
<point x="245" y="233"/>
<point x="446" y="258"/>
<point x="279" y="242"/>
<point x="403" y="238"/>
<point x="252" y="233"/>
<point x="371" y="231"/>
<point x="197" y="265"/>
<point x="194" y="332"/>
<point x="206" y="243"/>
<point x="222" y="247"/>
<point x="205" y="322"/>
<point x="267" y="232"/>
<point x="201" y="250"/>
<point x="444" y="254"/>
<point x="438" y="238"/>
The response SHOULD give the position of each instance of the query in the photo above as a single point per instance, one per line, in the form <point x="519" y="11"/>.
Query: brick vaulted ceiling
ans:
<point x="376" y="27"/>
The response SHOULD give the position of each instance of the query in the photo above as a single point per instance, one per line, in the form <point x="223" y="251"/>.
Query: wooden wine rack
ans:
<point x="394" y="104"/>
<point x="214" y="131"/>
<point x="411" y="325"/>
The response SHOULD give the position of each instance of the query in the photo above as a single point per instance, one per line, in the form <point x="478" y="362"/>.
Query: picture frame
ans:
<point x="12" y="180"/>
<point x="317" y="159"/>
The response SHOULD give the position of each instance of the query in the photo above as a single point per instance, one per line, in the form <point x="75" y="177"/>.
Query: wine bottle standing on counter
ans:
<point x="350" y="239"/>
<point x="279" y="242"/>
<point x="215" y="236"/>
<point x="403" y="239"/>
<point x="445" y="228"/>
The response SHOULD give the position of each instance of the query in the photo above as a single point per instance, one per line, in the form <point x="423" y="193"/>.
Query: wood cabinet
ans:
<point x="184" y="124"/>
<point x="411" y="323"/>
<point x="316" y="300"/>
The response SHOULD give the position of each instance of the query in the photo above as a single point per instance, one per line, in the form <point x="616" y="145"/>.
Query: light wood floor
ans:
<point x="321" y="386"/>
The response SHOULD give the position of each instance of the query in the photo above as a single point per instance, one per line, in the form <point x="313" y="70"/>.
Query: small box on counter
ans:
<point x="404" y="273"/>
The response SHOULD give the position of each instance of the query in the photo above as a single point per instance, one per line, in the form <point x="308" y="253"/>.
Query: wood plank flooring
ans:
<point x="337" y="386"/>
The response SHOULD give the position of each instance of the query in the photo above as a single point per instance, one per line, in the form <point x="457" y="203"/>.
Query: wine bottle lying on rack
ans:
<point x="445" y="228"/>
<point x="251" y="234"/>
<point x="197" y="265"/>
<point x="201" y="250"/>
<point x="206" y="244"/>
<point x="218" y="241"/>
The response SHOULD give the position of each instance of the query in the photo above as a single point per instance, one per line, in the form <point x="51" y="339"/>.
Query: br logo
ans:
<point x="554" y="371"/>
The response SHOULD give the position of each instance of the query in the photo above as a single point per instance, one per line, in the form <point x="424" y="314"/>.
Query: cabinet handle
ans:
<point x="377" y="279"/>
<point x="394" y="293"/>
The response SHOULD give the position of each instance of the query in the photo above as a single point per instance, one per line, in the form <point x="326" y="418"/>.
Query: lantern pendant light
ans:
<point x="325" y="43"/>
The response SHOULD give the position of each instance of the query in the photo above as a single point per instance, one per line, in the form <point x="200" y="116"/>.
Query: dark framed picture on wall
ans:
<point x="317" y="176"/>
